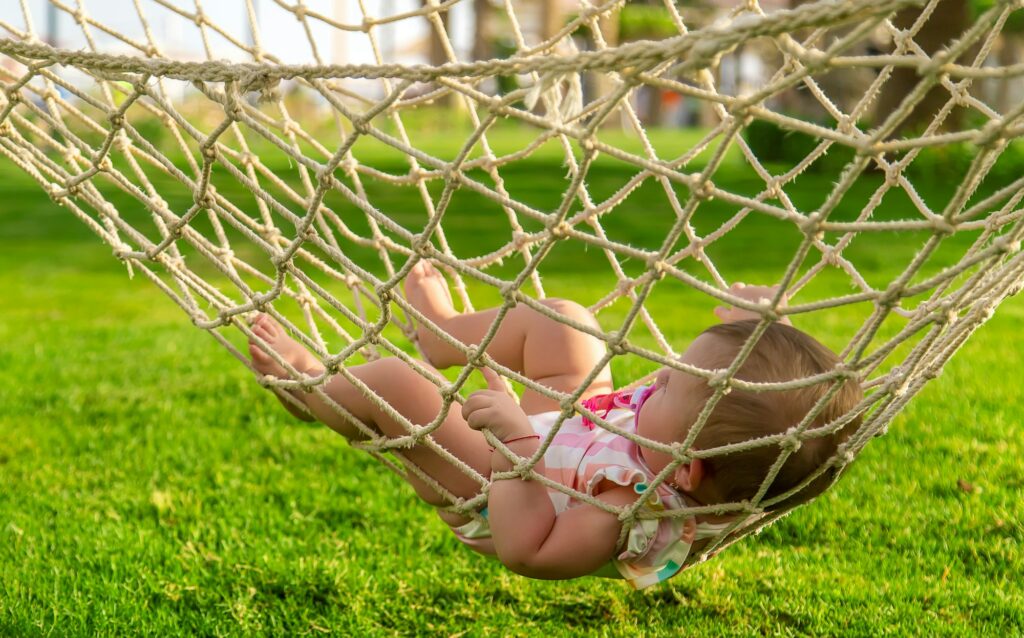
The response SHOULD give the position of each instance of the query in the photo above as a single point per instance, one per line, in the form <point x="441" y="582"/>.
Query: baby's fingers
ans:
<point x="481" y="418"/>
<point x="722" y="312"/>
<point x="479" y="400"/>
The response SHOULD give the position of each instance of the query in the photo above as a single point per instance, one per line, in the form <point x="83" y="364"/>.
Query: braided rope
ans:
<point x="83" y="145"/>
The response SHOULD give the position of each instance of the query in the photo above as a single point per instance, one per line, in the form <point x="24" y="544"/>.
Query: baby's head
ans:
<point x="783" y="353"/>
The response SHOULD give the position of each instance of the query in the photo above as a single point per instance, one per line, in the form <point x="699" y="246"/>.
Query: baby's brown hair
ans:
<point x="782" y="353"/>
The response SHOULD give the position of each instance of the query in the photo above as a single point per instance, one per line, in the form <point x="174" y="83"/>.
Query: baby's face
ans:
<point x="675" y="401"/>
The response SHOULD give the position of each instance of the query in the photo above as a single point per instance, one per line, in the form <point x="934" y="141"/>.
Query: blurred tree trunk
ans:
<point x="609" y="26"/>
<point x="947" y="23"/>
<point x="482" y="49"/>
<point x="436" y="52"/>
<point x="1008" y="53"/>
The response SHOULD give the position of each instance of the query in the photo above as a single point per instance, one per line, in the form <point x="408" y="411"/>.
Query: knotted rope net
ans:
<point x="202" y="170"/>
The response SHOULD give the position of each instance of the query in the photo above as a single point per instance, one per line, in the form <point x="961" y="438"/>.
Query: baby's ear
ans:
<point x="689" y="476"/>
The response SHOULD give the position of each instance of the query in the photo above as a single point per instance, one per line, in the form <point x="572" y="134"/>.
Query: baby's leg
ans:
<point x="538" y="347"/>
<point x="411" y="395"/>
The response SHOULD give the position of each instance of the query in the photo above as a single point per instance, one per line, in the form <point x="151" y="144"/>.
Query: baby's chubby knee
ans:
<point x="571" y="310"/>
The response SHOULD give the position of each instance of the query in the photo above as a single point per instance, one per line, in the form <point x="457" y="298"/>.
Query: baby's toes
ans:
<point x="260" y="332"/>
<point x="272" y="327"/>
<point x="421" y="268"/>
<point x="257" y="353"/>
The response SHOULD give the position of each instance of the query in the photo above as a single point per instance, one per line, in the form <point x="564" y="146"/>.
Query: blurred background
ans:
<point x="332" y="32"/>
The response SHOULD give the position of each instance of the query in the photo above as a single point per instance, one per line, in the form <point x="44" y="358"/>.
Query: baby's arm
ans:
<point x="529" y="538"/>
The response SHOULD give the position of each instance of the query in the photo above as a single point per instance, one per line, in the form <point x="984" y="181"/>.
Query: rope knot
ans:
<point x="520" y="239"/>
<point x="452" y="175"/>
<point x="328" y="180"/>
<point x="560" y="230"/>
<point x="946" y="315"/>
<point x="888" y="298"/>
<point x="207" y="200"/>
<point x="352" y="281"/>
<point x="71" y="153"/>
<point x="942" y="227"/>
<point x="658" y="268"/>
<point x="1005" y="245"/>
<point x="815" y="60"/>
<point x="682" y="454"/>
<point x="791" y="441"/>
<point x="54" y="192"/>
<point x="349" y="166"/>
<point x="259" y="79"/>
<point x="898" y="382"/>
<point x="721" y="380"/>
<point x="811" y="226"/>
<point x="332" y="365"/>
<point x="703" y="189"/>
<point x="385" y="295"/>
<point x="122" y="251"/>
<point x="844" y="371"/>
<point x="844" y="455"/>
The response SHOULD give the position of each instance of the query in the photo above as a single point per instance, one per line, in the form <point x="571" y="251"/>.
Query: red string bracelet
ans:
<point x="520" y="438"/>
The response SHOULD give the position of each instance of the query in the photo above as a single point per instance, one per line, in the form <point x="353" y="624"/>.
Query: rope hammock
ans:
<point x="199" y="172"/>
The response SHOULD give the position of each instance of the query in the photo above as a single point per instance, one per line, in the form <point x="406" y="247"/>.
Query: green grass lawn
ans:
<point x="148" y="486"/>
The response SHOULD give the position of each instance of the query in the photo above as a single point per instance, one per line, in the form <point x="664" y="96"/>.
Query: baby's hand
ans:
<point x="756" y="294"/>
<point x="496" y="410"/>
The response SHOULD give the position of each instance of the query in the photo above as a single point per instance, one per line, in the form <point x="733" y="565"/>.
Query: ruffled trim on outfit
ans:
<point x="624" y="476"/>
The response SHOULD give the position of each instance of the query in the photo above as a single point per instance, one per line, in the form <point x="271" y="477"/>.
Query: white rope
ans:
<point x="292" y="246"/>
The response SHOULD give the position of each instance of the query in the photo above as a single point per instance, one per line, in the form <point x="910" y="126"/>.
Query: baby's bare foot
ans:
<point x="271" y="332"/>
<point x="427" y="291"/>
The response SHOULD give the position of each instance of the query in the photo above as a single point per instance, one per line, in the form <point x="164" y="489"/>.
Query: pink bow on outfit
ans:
<point x="602" y="404"/>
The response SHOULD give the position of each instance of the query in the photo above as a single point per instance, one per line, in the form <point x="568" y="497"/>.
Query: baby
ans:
<point x="541" y="532"/>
